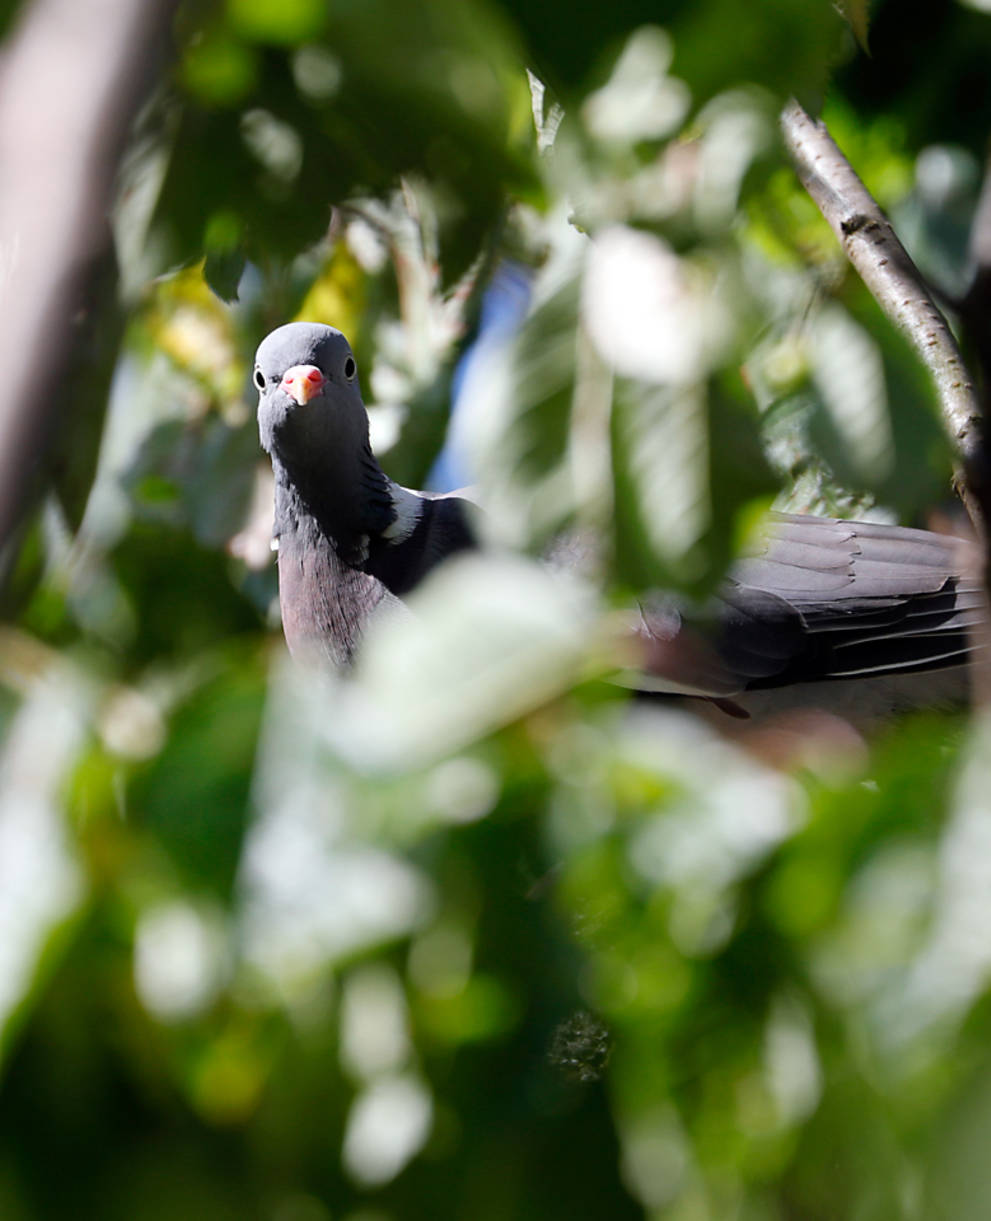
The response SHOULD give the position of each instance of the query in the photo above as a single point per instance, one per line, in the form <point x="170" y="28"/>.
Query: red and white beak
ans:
<point x="302" y="382"/>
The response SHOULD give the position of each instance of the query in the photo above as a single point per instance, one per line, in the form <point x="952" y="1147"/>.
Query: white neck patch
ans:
<point x="409" y="510"/>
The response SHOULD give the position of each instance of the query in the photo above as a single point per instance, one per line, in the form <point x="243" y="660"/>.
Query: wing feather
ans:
<point x="855" y="598"/>
<point x="827" y="599"/>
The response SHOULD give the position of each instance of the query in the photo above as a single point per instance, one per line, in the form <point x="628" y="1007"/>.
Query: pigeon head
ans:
<point x="309" y="403"/>
<point x="314" y="425"/>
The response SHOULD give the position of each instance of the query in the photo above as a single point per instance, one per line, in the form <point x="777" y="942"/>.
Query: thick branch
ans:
<point x="71" y="77"/>
<point x="896" y="283"/>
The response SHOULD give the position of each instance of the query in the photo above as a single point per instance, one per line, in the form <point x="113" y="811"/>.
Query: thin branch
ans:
<point x="884" y="265"/>
<point x="71" y="77"/>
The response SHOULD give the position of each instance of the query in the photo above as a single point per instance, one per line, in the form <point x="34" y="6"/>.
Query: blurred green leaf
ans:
<point x="487" y="641"/>
<point x="43" y="886"/>
<point x="811" y="30"/>
<point x="222" y="271"/>
<point x="198" y="478"/>
<point x="293" y="21"/>
<point x="663" y="504"/>
<point x="847" y="372"/>
<point x="194" y="796"/>
<point x="219" y="69"/>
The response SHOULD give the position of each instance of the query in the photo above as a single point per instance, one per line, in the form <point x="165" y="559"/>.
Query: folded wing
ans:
<point x="826" y="599"/>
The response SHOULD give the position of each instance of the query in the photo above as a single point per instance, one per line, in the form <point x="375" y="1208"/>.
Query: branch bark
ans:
<point x="885" y="267"/>
<point x="71" y="78"/>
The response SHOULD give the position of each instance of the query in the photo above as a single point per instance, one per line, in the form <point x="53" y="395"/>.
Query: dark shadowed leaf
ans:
<point x="194" y="796"/>
<point x="222" y="271"/>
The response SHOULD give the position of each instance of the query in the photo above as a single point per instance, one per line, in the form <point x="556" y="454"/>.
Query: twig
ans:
<point x="71" y="78"/>
<point x="884" y="265"/>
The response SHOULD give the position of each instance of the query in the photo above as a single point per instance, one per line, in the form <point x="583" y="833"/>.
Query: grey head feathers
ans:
<point x="289" y="429"/>
<point x="323" y="464"/>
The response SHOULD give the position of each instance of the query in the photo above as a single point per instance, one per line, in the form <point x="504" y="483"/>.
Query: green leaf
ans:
<point x="219" y="69"/>
<point x="488" y="640"/>
<point x="523" y="397"/>
<point x="660" y="445"/>
<point x="286" y="23"/>
<point x="857" y="13"/>
<point x="43" y="884"/>
<point x="194" y="796"/>
<point x="222" y="270"/>
<point x="848" y="374"/>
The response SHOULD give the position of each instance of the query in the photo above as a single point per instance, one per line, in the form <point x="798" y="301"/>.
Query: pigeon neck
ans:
<point x="348" y="509"/>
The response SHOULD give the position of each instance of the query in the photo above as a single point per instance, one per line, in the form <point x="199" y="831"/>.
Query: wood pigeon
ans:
<point x="348" y="537"/>
<point x="822" y="599"/>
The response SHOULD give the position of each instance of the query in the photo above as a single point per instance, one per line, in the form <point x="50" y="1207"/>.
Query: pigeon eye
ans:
<point x="350" y="368"/>
<point x="259" y="379"/>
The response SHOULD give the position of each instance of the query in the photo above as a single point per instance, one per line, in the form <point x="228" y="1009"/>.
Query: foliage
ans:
<point x="472" y="933"/>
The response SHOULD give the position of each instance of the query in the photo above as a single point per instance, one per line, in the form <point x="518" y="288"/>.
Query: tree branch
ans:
<point x="885" y="267"/>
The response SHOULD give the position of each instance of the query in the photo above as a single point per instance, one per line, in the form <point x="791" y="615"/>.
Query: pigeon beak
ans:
<point x="302" y="382"/>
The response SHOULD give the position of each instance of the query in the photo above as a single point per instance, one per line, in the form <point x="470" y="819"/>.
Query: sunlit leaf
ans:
<point x="219" y="69"/>
<point x="522" y="396"/>
<point x="651" y="314"/>
<point x="42" y="884"/>
<point x="661" y="467"/>
<point x="289" y="22"/>
<point x="847" y="371"/>
<point x="639" y="101"/>
<point x="485" y="641"/>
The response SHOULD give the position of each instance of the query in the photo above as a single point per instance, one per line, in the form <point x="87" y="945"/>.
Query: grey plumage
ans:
<point x="820" y="600"/>
<point x="823" y="600"/>
<point x="863" y="598"/>
<point x="348" y="538"/>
